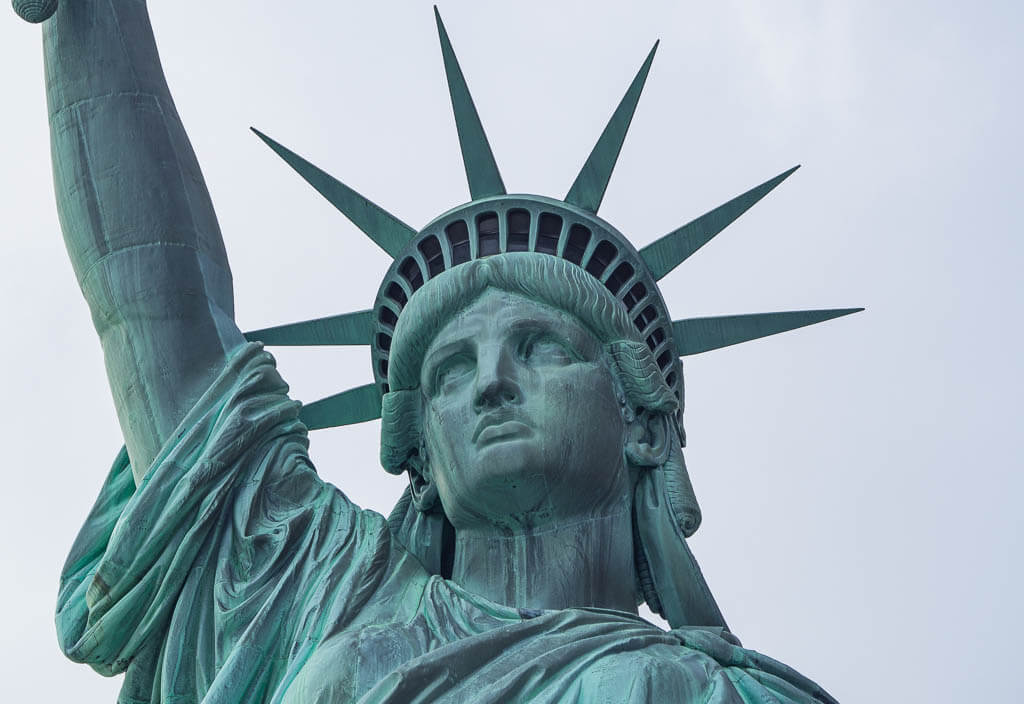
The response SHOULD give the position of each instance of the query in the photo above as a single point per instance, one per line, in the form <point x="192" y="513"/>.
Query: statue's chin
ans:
<point x="514" y="481"/>
<point x="506" y="481"/>
<point x="508" y="465"/>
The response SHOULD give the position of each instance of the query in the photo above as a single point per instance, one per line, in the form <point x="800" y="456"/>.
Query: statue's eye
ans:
<point x="451" y="371"/>
<point x="545" y="349"/>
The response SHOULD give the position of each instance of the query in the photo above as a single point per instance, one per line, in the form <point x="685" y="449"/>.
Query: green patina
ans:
<point x="527" y="374"/>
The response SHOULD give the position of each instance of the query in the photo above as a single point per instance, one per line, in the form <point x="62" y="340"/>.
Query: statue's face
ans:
<point x="521" y="423"/>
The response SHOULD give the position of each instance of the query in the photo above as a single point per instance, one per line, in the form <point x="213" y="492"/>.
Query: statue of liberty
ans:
<point x="527" y="376"/>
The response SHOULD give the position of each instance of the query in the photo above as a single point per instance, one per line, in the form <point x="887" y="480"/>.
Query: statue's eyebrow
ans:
<point x="574" y="335"/>
<point x="438" y="355"/>
<point x="534" y="325"/>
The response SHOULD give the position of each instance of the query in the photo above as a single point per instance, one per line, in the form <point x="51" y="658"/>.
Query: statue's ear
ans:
<point x="421" y="486"/>
<point x="648" y="439"/>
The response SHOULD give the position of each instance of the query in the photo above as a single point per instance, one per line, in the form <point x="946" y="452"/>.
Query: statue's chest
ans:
<point x="403" y="663"/>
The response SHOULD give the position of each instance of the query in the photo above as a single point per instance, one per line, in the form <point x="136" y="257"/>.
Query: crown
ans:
<point x="494" y="222"/>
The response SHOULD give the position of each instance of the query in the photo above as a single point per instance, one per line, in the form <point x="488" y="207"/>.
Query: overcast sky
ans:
<point x="860" y="480"/>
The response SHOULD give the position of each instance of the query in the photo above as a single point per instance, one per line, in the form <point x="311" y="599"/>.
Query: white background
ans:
<point x="860" y="480"/>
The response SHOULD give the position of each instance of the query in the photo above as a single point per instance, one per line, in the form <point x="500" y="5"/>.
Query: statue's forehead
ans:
<point x="496" y="310"/>
<point x="493" y="301"/>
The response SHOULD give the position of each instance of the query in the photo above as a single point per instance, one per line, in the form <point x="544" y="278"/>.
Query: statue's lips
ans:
<point x="500" y="423"/>
<point x="508" y="430"/>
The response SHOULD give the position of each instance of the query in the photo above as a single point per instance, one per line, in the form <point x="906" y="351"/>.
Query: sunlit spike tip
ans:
<point x="698" y="335"/>
<point x="588" y="189"/>
<point x="390" y="233"/>
<point x="481" y="169"/>
<point x="346" y="329"/>
<point x="347" y="408"/>
<point x="668" y="252"/>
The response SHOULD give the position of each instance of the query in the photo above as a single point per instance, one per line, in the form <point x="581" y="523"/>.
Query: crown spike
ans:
<point x="588" y="189"/>
<point x="697" y="335"/>
<point x="390" y="233"/>
<point x="481" y="169"/>
<point x="666" y="253"/>
<point x="346" y="329"/>
<point x="347" y="408"/>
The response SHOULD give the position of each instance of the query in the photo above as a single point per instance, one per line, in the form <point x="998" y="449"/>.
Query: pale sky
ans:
<point x="860" y="480"/>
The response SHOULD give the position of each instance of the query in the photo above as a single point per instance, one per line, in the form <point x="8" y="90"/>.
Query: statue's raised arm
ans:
<point x="137" y="218"/>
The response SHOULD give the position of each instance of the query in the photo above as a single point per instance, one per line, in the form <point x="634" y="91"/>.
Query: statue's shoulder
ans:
<point x="749" y="672"/>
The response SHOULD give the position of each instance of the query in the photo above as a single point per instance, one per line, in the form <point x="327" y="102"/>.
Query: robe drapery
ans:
<point x="234" y="574"/>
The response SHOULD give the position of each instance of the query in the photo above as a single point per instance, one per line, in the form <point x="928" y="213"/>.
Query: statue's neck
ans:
<point x="585" y="563"/>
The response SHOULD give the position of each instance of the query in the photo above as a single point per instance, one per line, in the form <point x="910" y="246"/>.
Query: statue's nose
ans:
<point x="494" y="395"/>
<point x="496" y="383"/>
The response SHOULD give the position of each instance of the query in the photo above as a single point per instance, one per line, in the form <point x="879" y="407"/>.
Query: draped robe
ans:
<point x="234" y="574"/>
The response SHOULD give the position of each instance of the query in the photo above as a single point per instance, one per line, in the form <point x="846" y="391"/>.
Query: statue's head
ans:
<point x="521" y="396"/>
<point x="526" y="368"/>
